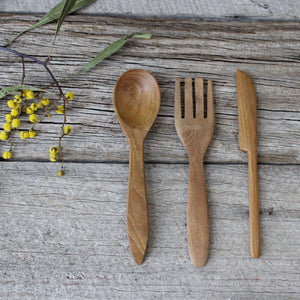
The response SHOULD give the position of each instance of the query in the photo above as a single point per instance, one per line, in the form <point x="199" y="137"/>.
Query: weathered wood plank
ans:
<point x="267" y="9"/>
<point x="66" y="237"/>
<point x="268" y="52"/>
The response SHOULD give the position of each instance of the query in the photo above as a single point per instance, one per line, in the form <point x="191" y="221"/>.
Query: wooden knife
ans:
<point x="248" y="143"/>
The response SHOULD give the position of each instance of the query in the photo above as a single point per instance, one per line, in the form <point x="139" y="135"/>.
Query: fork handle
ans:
<point x="137" y="208"/>
<point x="197" y="215"/>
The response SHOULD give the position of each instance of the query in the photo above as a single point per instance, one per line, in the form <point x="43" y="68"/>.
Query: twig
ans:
<point x="11" y="142"/>
<point x="42" y="63"/>
<point x="62" y="135"/>
<point x="23" y="65"/>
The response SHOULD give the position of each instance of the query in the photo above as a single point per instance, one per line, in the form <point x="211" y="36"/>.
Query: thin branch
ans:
<point x="23" y="65"/>
<point x="11" y="143"/>
<point x="62" y="135"/>
<point x="36" y="60"/>
<point x="22" y="55"/>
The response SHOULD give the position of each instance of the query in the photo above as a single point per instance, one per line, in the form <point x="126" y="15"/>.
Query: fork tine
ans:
<point x="210" y="100"/>
<point x="188" y="98"/>
<point x="177" y="99"/>
<point x="199" y="98"/>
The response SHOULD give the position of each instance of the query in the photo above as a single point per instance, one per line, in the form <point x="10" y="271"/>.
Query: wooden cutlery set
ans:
<point x="136" y="103"/>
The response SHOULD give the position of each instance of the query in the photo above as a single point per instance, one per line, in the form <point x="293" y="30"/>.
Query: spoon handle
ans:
<point x="137" y="208"/>
<point x="197" y="215"/>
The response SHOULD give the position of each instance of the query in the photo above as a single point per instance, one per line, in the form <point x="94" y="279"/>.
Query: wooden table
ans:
<point x="65" y="237"/>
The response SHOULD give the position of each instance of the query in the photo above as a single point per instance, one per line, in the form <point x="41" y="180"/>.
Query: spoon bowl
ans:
<point x="137" y="99"/>
<point x="136" y="104"/>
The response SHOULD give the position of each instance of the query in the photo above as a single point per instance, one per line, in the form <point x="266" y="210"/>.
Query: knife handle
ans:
<point x="254" y="224"/>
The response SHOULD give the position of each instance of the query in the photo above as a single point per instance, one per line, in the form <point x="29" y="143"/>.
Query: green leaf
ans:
<point x="15" y="88"/>
<point x="68" y="5"/>
<point x="112" y="48"/>
<point x="54" y="14"/>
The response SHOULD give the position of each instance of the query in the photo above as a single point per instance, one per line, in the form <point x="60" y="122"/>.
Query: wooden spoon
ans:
<point x="136" y="103"/>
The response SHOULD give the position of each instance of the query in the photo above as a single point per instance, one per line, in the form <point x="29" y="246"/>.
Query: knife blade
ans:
<point x="247" y="116"/>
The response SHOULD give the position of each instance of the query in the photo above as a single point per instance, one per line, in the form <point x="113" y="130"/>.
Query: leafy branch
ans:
<point x="53" y="15"/>
<point x="24" y="103"/>
<point x="38" y="61"/>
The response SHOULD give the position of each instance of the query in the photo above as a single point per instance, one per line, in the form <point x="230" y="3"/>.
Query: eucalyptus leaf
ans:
<point x="54" y="14"/>
<point x="112" y="48"/>
<point x="68" y="5"/>
<point x="15" y="88"/>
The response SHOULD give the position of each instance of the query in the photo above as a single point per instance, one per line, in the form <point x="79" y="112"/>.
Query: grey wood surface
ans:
<point x="66" y="237"/>
<point x="267" y="51"/>
<point x="266" y="9"/>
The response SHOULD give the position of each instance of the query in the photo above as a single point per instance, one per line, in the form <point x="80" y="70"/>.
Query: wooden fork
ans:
<point x="195" y="134"/>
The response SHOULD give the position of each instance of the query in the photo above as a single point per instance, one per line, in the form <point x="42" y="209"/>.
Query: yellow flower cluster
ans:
<point x="54" y="153"/>
<point x="12" y="121"/>
<point x="12" y="118"/>
<point x="61" y="108"/>
<point x="25" y="104"/>
<point x="27" y="134"/>
<point x="34" y="107"/>
<point x="27" y="94"/>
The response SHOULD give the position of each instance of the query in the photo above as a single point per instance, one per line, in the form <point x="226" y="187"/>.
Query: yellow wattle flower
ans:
<point x="29" y="111"/>
<point x="33" y="118"/>
<point x="22" y="135"/>
<point x="60" y="109"/>
<point x="34" y="106"/>
<point x="67" y="130"/>
<point x="15" y="111"/>
<point x="28" y="94"/>
<point x="7" y="126"/>
<point x="18" y="99"/>
<point x="53" y="158"/>
<point x="7" y="155"/>
<point x="3" y="136"/>
<point x="54" y="150"/>
<point x="40" y="105"/>
<point x="8" y="117"/>
<point x="16" y="123"/>
<point x="45" y="101"/>
<point x="32" y="133"/>
<point x="70" y="95"/>
<point x="11" y="104"/>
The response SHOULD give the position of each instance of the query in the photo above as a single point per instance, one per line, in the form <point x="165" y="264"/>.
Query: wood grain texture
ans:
<point x="268" y="52"/>
<point x="247" y="110"/>
<point x="195" y="133"/>
<point x="267" y="9"/>
<point x="66" y="237"/>
<point x="136" y="101"/>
